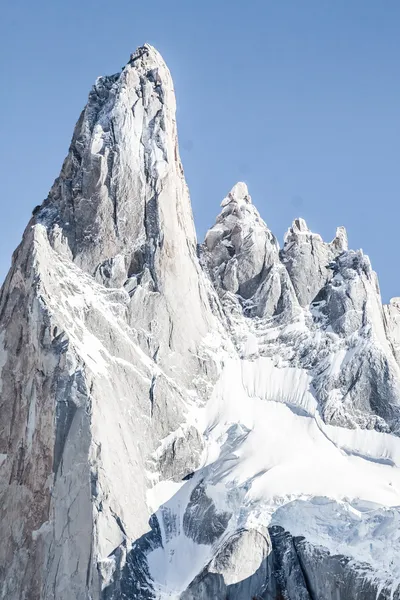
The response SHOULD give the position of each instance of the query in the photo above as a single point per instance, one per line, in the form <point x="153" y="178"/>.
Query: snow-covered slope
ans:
<point x="189" y="421"/>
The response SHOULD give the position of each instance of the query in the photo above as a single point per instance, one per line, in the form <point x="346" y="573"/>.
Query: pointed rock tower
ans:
<point x="103" y="304"/>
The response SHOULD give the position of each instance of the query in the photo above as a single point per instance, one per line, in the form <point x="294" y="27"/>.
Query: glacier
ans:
<point x="184" y="420"/>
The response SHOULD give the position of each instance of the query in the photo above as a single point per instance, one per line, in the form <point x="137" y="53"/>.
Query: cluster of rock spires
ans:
<point x="115" y="330"/>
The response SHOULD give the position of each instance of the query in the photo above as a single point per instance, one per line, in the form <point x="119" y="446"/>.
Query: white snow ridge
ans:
<point x="192" y="421"/>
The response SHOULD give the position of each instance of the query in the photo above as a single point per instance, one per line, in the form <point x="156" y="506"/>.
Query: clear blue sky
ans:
<point x="299" y="98"/>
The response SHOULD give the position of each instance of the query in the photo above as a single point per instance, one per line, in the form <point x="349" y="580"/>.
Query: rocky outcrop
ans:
<point x="242" y="568"/>
<point x="330" y="577"/>
<point x="243" y="258"/>
<point x="307" y="259"/>
<point x="392" y="323"/>
<point x="288" y="571"/>
<point x="369" y="376"/>
<point x="242" y="249"/>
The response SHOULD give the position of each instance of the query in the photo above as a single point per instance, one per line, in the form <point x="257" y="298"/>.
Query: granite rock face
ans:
<point x="243" y="258"/>
<point x="189" y="421"/>
<point x="307" y="259"/>
<point x="242" y="568"/>
<point x="93" y="326"/>
<point x="288" y="570"/>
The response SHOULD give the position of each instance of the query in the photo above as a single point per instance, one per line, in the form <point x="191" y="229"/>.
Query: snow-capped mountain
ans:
<point x="189" y="421"/>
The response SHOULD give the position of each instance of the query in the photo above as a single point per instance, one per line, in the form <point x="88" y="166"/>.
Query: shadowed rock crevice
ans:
<point x="201" y="521"/>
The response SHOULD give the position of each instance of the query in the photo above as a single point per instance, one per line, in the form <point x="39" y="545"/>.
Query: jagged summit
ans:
<point x="115" y="181"/>
<point x="147" y="50"/>
<point x="300" y="227"/>
<point x="341" y="239"/>
<point x="239" y="193"/>
<point x="181" y="421"/>
<point x="244" y="258"/>
<point x="307" y="258"/>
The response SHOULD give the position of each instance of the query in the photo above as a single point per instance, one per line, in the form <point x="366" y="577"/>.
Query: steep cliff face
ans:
<point x="189" y="421"/>
<point x="103" y="315"/>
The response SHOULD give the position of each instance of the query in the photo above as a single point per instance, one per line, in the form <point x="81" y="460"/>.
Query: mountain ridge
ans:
<point x="176" y="416"/>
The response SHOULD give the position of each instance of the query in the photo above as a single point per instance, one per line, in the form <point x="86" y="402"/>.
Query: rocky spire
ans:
<point x="239" y="194"/>
<point x="243" y="257"/>
<point x="340" y="240"/>
<point x="120" y="208"/>
<point x="121" y="188"/>
<point x="102" y="319"/>
<point x="240" y="244"/>
<point x="307" y="258"/>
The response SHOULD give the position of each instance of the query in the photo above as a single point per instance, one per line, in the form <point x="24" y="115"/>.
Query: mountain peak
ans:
<point x="239" y="194"/>
<point x="245" y="398"/>
<point x="341" y="240"/>
<point x="300" y="226"/>
<point x="300" y="232"/>
<point x="146" y="48"/>
<point x="149" y="54"/>
<point x="115" y="188"/>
